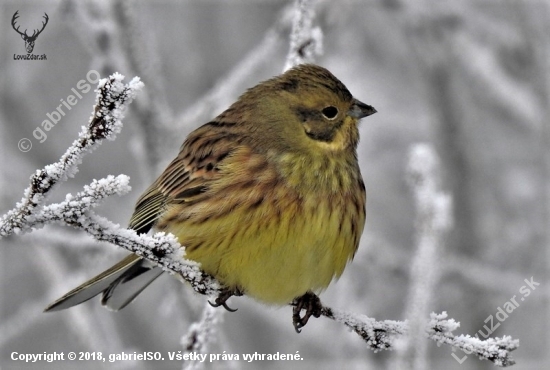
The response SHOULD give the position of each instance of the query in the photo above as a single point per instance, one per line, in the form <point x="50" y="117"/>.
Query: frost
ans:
<point x="201" y="334"/>
<point x="306" y="41"/>
<point x="433" y="219"/>
<point x="493" y="349"/>
<point x="112" y="100"/>
<point x="384" y="335"/>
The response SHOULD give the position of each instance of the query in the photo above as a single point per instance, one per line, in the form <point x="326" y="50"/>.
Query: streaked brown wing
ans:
<point x="188" y="176"/>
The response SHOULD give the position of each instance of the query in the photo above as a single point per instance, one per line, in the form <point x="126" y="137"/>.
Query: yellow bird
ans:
<point x="267" y="197"/>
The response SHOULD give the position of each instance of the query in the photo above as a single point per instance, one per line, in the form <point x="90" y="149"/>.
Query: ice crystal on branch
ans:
<point x="111" y="101"/>
<point x="496" y="350"/>
<point x="164" y="250"/>
<point x="306" y="41"/>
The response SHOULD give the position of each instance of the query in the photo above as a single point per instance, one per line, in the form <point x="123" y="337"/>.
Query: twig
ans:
<point x="380" y="335"/>
<point x="306" y="41"/>
<point x="162" y="249"/>
<point x="433" y="219"/>
<point x="111" y="101"/>
<point x="200" y="335"/>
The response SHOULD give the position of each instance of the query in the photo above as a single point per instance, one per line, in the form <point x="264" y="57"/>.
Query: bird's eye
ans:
<point x="330" y="112"/>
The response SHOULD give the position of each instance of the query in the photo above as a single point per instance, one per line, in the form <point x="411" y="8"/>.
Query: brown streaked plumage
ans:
<point x="268" y="196"/>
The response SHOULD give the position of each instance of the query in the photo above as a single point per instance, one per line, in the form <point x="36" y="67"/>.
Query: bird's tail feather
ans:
<point x="119" y="284"/>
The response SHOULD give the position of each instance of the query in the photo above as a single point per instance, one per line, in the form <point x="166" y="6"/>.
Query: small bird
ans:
<point x="267" y="197"/>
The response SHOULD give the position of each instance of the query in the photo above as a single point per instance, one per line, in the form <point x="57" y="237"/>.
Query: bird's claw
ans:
<point x="221" y="299"/>
<point x="309" y="302"/>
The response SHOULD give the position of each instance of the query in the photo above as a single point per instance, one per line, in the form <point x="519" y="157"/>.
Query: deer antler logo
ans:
<point x="29" y="40"/>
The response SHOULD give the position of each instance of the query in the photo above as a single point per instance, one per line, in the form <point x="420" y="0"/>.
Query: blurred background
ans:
<point x="469" y="77"/>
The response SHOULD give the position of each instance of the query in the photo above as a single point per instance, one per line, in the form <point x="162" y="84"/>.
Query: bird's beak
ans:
<point x="359" y="110"/>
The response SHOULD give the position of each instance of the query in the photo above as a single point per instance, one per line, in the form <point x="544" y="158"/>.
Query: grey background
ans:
<point x="470" y="77"/>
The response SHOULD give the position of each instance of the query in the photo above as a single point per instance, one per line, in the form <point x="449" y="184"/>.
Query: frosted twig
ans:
<point x="380" y="335"/>
<point x="306" y="41"/>
<point x="164" y="250"/>
<point x="201" y="334"/>
<point x="112" y="98"/>
<point x="111" y="101"/>
<point x="433" y="220"/>
<point x="496" y="350"/>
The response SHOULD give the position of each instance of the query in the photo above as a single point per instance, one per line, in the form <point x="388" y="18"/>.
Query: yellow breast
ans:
<point x="277" y="251"/>
<point x="273" y="239"/>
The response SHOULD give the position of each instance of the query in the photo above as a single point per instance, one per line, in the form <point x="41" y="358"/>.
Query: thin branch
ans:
<point x="434" y="215"/>
<point x="111" y="101"/>
<point x="381" y="335"/>
<point x="201" y="335"/>
<point x="164" y="250"/>
<point x="306" y="41"/>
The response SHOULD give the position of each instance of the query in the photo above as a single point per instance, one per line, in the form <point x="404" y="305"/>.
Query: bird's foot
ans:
<point x="225" y="294"/>
<point x="309" y="302"/>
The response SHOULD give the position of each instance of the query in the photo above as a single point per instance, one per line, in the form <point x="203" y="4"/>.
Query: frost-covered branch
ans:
<point x="164" y="250"/>
<point x="380" y="335"/>
<point x="433" y="219"/>
<point x="106" y="121"/>
<point x="496" y="350"/>
<point x="306" y="41"/>
<point x="200" y="335"/>
<point x="111" y="101"/>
